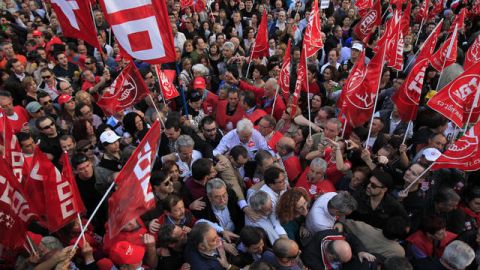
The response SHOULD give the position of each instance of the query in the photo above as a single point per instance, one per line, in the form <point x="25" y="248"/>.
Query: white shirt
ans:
<point x="179" y="39"/>
<point x="274" y="196"/>
<point x="185" y="168"/>
<point x="231" y="139"/>
<point x="223" y="216"/>
<point x="319" y="219"/>
<point x="270" y="224"/>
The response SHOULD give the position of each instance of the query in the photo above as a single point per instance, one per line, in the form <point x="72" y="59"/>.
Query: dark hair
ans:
<point x="471" y="194"/>
<point x="167" y="166"/>
<point x="197" y="234"/>
<point x="5" y="94"/>
<point x="201" y="168"/>
<point x="172" y="122"/>
<point x="129" y="123"/>
<point x="164" y="234"/>
<point x="261" y="156"/>
<point x="397" y="263"/>
<point x="432" y="224"/>
<point x="445" y="195"/>
<point x="79" y="129"/>
<point x="23" y="136"/>
<point x="207" y="120"/>
<point x="271" y="175"/>
<point x="157" y="178"/>
<point x="250" y="99"/>
<point x="250" y="235"/>
<point x="78" y="107"/>
<point x="261" y="265"/>
<point x="41" y="119"/>
<point x="237" y="151"/>
<point x="78" y="159"/>
<point x="396" y="228"/>
<point x="170" y="201"/>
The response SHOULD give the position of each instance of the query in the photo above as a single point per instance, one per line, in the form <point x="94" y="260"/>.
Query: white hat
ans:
<point x="357" y="46"/>
<point x="431" y="154"/>
<point x="109" y="136"/>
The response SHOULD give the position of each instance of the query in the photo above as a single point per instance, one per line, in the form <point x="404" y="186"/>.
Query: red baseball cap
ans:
<point x="199" y="83"/>
<point x="123" y="252"/>
<point x="37" y="33"/>
<point x="62" y="99"/>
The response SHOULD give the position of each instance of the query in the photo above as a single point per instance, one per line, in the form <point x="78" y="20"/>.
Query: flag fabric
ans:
<point x="260" y="46"/>
<point x="128" y="89"/>
<point x="15" y="209"/>
<point x="407" y="97"/>
<point x="364" y="4"/>
<point x="54" y="193"/>
<point x="354" y="80"/>
<point x="393" y="37"/>
<point x="456" y="99"/>
<point x="12" y="151"/>
<point x="301" y="80"/>
<point x="424" y="8"/>
<point x="458" y="21"/>
<point x="284" y="77"/>
<point x="360" y="98"/>
<point x="397" y="3"/>
<point x="472" y="56"/>
<point x="166" y="83"/>
<point x="134" y="195"/>
<point x="406" y="19"/>
<point x="463" y="154"/>
<point x="186" y="3"/>
<point x="76" y="20"/>
<point x="437" y="8"/>
<point x="141" y="28"/>
<point x="364" y="28"/>
<point x="446" y="55"/>
<point x="313" y="39"/>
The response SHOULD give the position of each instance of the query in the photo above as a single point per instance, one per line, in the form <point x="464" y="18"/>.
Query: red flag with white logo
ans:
<point x="301" y="80"/>
<point x="284" y="77"/>
<point x="313" y="39"/>
<point x="437" y="8"/>
<point x="142" y="29"/>
<point x="360" y="99"/>
<point x="393" y="37"/>
<point x="127" y="90"/>
<point x="76" y="21"/>
<point x="406" y="19"/>
<point x="459" y="20"/>
<point x="472" y="56"/>
<point x="12" y="150"/>
<point x="15" y="209"/>
<point x="446" y="55"/>
<point x="364" y="4"/>
<point x="165" y="80"/>
<point x="134" y="195"/>
<point x="423" y="12"/>
<point x="186" y="3"/>
<point x="260" y="46"/>
<point x="364" y="28"/>
<point x="456" y="100"/>
<point x="463" y="154"/>
<point x="33" y="184"/>
<point x="354" y="80"/>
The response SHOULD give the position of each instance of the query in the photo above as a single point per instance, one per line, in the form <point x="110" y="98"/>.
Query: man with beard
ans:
<point x="172" y="240"/>
<point x="210" y="133"/>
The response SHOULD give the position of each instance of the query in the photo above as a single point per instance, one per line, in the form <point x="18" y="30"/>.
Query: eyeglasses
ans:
<point x="88" y="63"/>
<point x="46" y="77"/>
<point x="48" y="126"/>
<point x="84" y="150"/>
<point x="374" y="185"/>
<point x="167" y="183"/>
<point x="294" y="257"/>
<point x="47" y="102"/>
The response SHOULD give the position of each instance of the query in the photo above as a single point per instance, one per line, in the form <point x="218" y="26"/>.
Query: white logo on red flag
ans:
<point x="260" y="46"/>
<point x="373" y="18"/>
<point x="284" y="77"/>
<point x="473" y="54"/>
<point x="165" y="79"/>
<point x="142" y="29"/>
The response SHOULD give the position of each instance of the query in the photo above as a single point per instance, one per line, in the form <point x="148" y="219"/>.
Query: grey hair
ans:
<point x="229" y="45"/>
<point x="343" y="202"/>
<point x="201" y="68"/>
<point x="244" y="125"/>
<point x="458" y="255"/>
<point x="184" y="141"/>
<point x="319" y="162"/>
<point x="215" y="183"/>
<point x="51" y="243"/>
<point x="258" y="200"/>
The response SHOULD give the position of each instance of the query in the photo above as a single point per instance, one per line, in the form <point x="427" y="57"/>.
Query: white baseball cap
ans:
<point x="109" y="136"/>
<point x="357" y="46"/>
<point x="431" y="154"/>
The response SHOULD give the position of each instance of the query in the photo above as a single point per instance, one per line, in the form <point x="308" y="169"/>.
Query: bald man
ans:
<point x="330" y="249"/>
<point x="285" y="149"/>
<point x="284" y="255"/>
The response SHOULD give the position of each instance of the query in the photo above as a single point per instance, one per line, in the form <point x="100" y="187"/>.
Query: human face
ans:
<point x="256" y="248"/>
<point x="66" y="88"/>
<point x="280" y="184"/>
<point x="219" y="198"/>
<point x="8" y="50"/>
<point x="358" y="178"/>
<point x="46" y="102"/>
<point x="267" y="209"/>
<point x="211" y="242"/>
<point x="196" y="105"/>
<point x="174" y="173"/>
<point x="327" y="74"/>
<point x="291" y="259"/>
<point x="48" y="77"/>
<point x="166" y="187"/>
<point x="113" y="148"/>
<point x="331" y="130"/>
<point x="210" y="131"/>
<point x="139" y="123"/>
<point x="47" y="127"/>
<point x="70" y="105"/>
<point x="474" y="205"/>
<point x="86" y="113"/>
<point x="82" y="49"/>
<point x="172" y="134"/>
<point x="412" y="173"/>
<point x="264" y="127"/>
<point x="6" y="103"/>
<point x="28" y="146"/>
<point x="185" y="153"/>
<point x="244" y="136"/>
<point x="439" y="142"/>
<point x="439" y="235"/>
<point x="332" y="57"/>
<point x="131" y="226"/>
<point x="84" y="170"/>
<point x="375" y="188"/>
<point x="178" y="211"/>
<point x="233" y="99"/>
<point x="67" y="145"/>
<point x="62" y="59"/>
<point x="377" y="126"/>
<point x="315" y="174"/>
<point x="446" y="207"/>
<point x="301" y="207"/>
<point x="18" y="67"/>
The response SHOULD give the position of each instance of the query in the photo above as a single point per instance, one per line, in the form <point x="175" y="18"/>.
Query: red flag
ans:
<point x="393" y="37"/>
<point x="142" y="29"/>
<point x="363" y="29"/>
<point x="472" y="56"/>
<point x="313" y="39"/>
<point x="428" y="47"/>
<point x="456" y="99"/>
<point x="128" y="89"/>
<point x="186" y="3"/>
<point x="301" y="80"/>
<point x="134" y="196"/>
<point x="165" y="79"/>
<point x="446" y="55"/>
<point x="437" y="8"/>
<point x="76" y="20"/>
<point x="397" y="3"/>
<point x="67" y="175"/>
<point x="459" y="20"/>
<point x="423" y="12"/>
<point x="406" y="19"/>
<point x="260" y="47"/>
<point x="12" y="151"/>
<point x="34" y="186"/>
<point x="354" y="80"/>
<point x="15" y="209"/>
<point x="284" y="77"/>
<point x="462" y="155"/>
<point x="360" y="100"/>
<point x="364" y="4"/>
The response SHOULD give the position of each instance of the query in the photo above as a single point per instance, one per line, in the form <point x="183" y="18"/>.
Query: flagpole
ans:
<point x="308" y="94"/>
<point x="93" y="214"/>
<point x="418" y="178"/>
<point x="275" y="99"/>
<point x="160" y="86"/>
<point x="474" y="104"/>
<point x="47" y="15"/>
<point x="449" y="51"/>
<point x="31" y="245"/>
<point x="344" y="128"/>
<point x="99" y="45"/>
<point x="250" y="62"/>
<point x="182" y="92"/>
<point x="81" y="225"/>
<point x="156" y="109"/>
<point x="406" y="131"/>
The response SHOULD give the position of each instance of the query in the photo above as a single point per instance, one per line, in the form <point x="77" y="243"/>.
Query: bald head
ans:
<point x="284" y="248"/>
<point x="342" y="250"/>
<point x="285" y="145"/>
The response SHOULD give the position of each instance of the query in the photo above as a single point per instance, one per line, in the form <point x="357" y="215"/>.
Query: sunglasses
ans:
<point x="46" y="77"/>
<point x="294" y="257"/>
<point x="167" y="183"/>
<point x="374" y="185"/>
<point x="88" y="63"/>
<point x="47" y="102"/>
<point x="84" y="150"/>
<point x="48" y="126"/>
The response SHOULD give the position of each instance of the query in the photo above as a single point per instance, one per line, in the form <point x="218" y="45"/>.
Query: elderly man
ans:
<point x="244" y="135"/>
<point x="184" y="155"/>
<point x="327" y="208"/>
<point x="457" y="255"/>
<point x="291" y="162"/>
<point x="265" y="96"/>
<point x="266" y="127"/>
<point x="261" y="203"/>
<point x="284" y="255"/>
<point x="18" y="117"/>
<point x="313" y="179"/>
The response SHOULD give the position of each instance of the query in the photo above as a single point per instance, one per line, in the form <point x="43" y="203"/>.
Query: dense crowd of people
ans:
<point x="241" y="182"/>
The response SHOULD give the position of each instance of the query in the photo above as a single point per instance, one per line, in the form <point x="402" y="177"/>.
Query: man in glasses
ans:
<point x="376" y="205"/>
<point x="88" y="149"/>
<point x="50" y="84"/>
<point x="49" y="138"/>
<point x="47" y="104"/>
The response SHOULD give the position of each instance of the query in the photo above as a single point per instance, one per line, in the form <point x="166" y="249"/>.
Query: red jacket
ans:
<point x="209" y="102"/>
<point x="273" y="141"/>
<point x="222" y="118"/>
<point x="314" y="190"/>
<point x="420" y="240"/>
<point x="263" y="102"/>
<point x="134" y="237"/>
<point x="256" y="115"/>
<point x="293" y="168"/>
